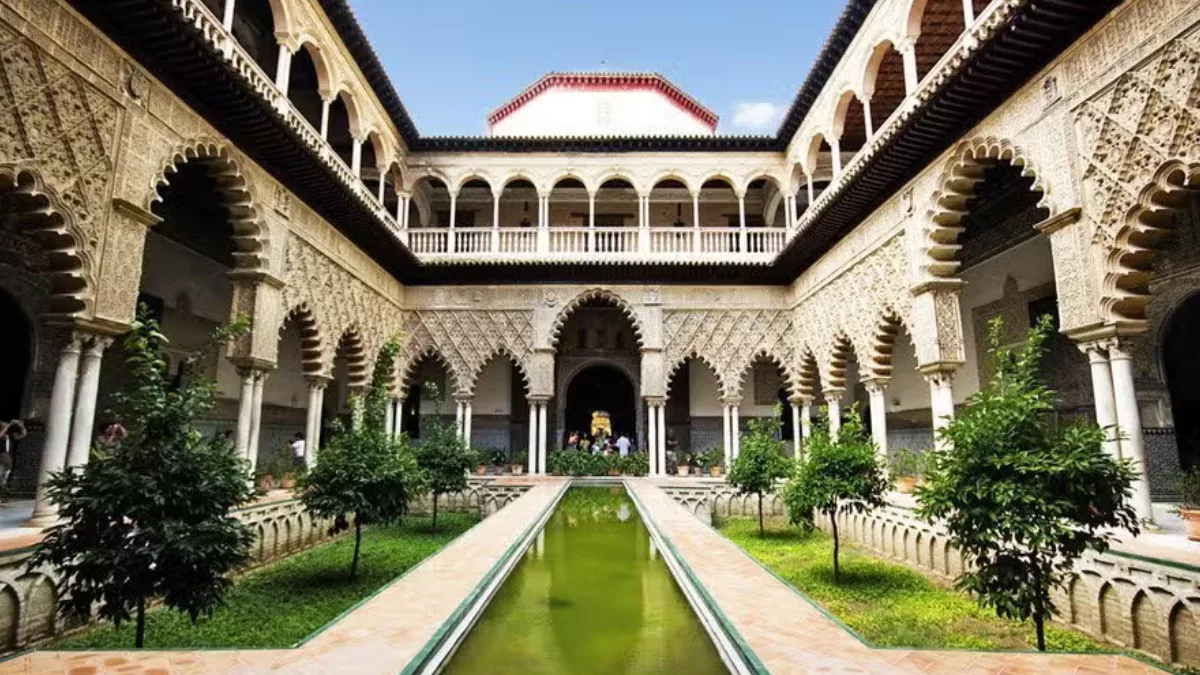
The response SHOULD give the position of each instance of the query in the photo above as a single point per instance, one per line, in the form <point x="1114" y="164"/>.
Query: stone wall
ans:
<point x="28" y="599"/>
<point x="1147" y="605"/>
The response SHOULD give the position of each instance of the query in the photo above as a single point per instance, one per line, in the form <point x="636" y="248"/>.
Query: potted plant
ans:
<point x="288" y="481"/>
<point x="267" y="468"/>
<point x="704" y="462"/>
<point x="518" y="459"/>
<point x="683" y="463"/>
<point x="612" y="465"/>
<point x="481" y="462"/>
<point x="555" y="462"/>
<point x="1189" y="502"/>
<point x="907" y="468"/>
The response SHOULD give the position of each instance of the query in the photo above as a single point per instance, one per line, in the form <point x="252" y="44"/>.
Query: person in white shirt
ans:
<point x="298" y="449"/>
<point x="623" y="444"/>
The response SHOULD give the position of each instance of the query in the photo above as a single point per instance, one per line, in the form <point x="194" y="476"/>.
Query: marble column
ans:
<point x="283" y="68"/>
<point x="532" y="450"/>
<point x="458" y="418"/>
<point x="245" y="405"/>
<point x="735" y="428"/>
<point x="256" y="417"/>
<point x="86" y="391"/>
<point x="58" y="429"/>
<point x="467" y="422"/>
<point x="908" y="52"/>
<point x="941" y="398"/>
<point x="796" y="433"/>
<point x="316" y="400"/>
<point x="878" y="409"/>
<point x="652" y="440"/>
<point x="727" y="442"/>
<point x="662" y="434"/>
<point x="389" y="417"/>
<point x="833" y="405"/>
<point x="1103" y="394"/>
<point x="1129" y="419"/>
<point x="541" y="439"/>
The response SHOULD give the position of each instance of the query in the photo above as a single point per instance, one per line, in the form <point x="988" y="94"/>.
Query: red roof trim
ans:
<point x="607" y="81"/>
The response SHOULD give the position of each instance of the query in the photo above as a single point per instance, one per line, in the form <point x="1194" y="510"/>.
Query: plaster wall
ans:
<point x="603" y="112"/>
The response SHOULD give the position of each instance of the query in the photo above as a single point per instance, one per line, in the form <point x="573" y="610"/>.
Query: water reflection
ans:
<point x="594" y="598"/>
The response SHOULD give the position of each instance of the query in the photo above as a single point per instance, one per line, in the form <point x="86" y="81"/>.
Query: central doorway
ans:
<point x="597" y="396"/>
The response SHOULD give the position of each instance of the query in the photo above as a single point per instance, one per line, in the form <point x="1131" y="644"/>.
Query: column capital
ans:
<point x="876" y="385"/>
<point x="938" y="286"/>
<point x="800" y="399"/>
<point x="318" y="381"/>
<point x="655" y="401"/>
<point x="731" y="400"/>
<point x="539" y="400"/>
<point x="464" y="399"/>
<point x="98" y="344"/>
<point x="939" y="378"/>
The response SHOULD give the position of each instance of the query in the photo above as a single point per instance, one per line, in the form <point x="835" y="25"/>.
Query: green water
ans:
<point x="589" y="598"/>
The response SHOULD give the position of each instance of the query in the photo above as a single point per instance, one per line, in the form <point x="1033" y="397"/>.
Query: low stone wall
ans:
<point x="1147" y="605"/>
<point x="29" y="600"/>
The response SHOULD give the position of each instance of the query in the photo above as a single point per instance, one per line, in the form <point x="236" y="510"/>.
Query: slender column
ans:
<point x="532" y="450"/>
<point x="812" y="191"/>
<point x="696" y="221"/>
<point x="652" y="440"/>
<point x="543" y="230"/>
<point x="541" y="439"/>
<point x="591" y="240"/>
<point x="58" y="428"/>
<point x="382" y="187"/>
<point x="401" y="210"/>
<point x="495" y="222"/>
<point x="796" y="433"/>
<point x="357" y="405"/>
<point x="727" y="442"/>
<point x="735" y="428"/>
<point x="389" y="417"/>
<point x="458" y="418"/>
<point x="908" y="52"/>
<point x="356" y="160"/>
<point x="1133" y="447"/>
<point x="85" y="402"/>
<point x="742" y="223"/>
<point x="325" y="118"/>
<point x="662" y="433"/>
<point x="789" y="214"/>
<point x="833" y="405"/>
<point x="245" y="414"/>
<point x="644" y="233"/>
<point x="968" y="13"/>
<point x="256" y="417"/>
<point x="1103" y="395"/>
<point x="835" y="147"/>
<point x="941" y="396"/>
<point x="227" y="19"/>
<point x="283" y="70"/>
<point x="806" y="420"/>
<point x="467" y="423"/>
<point x="876" y="390"/>
<point x="312" y="432"/>
<point x="451" y="244"/>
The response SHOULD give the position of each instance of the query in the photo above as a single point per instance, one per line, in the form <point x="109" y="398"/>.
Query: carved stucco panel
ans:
<point x="467" y="340"/>
<point x="728" y="341"/>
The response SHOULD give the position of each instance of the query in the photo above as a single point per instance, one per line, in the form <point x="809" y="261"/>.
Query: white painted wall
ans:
<point x="493" y="391"/>
<point x="562" y="111"/>
<point x="704" y="399"/>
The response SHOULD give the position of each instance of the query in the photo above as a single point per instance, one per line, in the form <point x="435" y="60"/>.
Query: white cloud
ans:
<point x="761" y="116"/>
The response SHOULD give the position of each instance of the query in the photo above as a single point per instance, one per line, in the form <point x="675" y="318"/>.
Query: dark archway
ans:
<point x="601" y="387"/>
<point x="1182" y="370"/>
<point x="19" y="337"/>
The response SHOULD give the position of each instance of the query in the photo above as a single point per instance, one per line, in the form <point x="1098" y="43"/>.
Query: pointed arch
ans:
<point x="956" y="187"/>
<point x="842" y="354"/>
<point x="883" y="345"/>
<point x="352" y="347"/>
<point x="1136" y="243"/>
<point x="673" y="175"/>
<point x="808" y="374"/>
<point x="695" y="355"/>
<point x="410" y="362"/>
<point x="499" y="352"/>
<point x="736" y="382"/>
<point x="312" y="352"/>
<point x="600" y="294"/>
<point x="469" y="176"/>
<point x="249" y="235"/>
<point x="36" y="210"/>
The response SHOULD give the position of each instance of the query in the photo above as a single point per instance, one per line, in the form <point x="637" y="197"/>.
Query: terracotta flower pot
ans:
<point x="715" y="471"/>
<point x="481" y="470"/>
<point x="266" y="482"/>
<point x="906" y="484"/>
<point x="682" y="470"/>
<point x="288" y="481"/>
<point x="517" y="469"/>
<point x="1191" y="520"/>
<point x="614" y="472"/>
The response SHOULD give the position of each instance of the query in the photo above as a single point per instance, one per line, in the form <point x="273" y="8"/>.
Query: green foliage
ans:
<point x="274" y="462"/>
<point x="887" y="603"/>
<point x="838" y="474"/>
<point x="281" y="604"/>
<point x="364" y="473"/>
<point x="707" y="459"/>
<point x="760" y="464"/>
<point x="1188" y="485"/>
<point x="149" y="515"/>
<point x="1021" y="497"/>
<point x="579" y="463"/>
<point x="905" y="462"/>
<point x="637" y="464"/>
<point x="518" y="458"/>
<point x="445" y="459"/>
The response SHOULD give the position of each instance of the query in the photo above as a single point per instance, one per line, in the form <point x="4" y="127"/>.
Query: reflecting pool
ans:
<point x="590" y="596"/>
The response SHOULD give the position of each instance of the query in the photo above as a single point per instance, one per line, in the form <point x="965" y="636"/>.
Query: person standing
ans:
<point x="13" y="430"/>
<point x="298" y="450"/>
<point x="623" y="445"/>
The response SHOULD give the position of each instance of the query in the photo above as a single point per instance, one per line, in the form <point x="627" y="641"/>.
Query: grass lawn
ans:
<point x="887" y="603"/>
<point x="279" y="605"/>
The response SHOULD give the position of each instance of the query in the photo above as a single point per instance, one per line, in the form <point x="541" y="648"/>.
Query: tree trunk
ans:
<point x="357" y="546"/>
<point x="760" y="522"/>
<point x="435" y="500"/>
<point x="1039" y="622"/>
<point x="833" y="526"/>
<point x="139" y="640"/>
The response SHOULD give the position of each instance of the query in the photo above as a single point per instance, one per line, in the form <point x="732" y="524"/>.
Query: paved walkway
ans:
<point x="791" y="636"/>
<point x="380" y="637"/>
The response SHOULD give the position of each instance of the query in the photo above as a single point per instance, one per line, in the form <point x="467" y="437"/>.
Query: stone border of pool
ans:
<point x="735" y="653"/>
<point x="438" y="651"/>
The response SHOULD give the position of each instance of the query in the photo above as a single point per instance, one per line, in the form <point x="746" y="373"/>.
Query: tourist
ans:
<point x="298" y="450"/>
<point x="623" y="445"/>
<point x="13" y="430"/>
<point x="573" y="441"/>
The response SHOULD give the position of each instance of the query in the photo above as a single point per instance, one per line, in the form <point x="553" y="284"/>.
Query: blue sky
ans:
<point x="453" y="61"/>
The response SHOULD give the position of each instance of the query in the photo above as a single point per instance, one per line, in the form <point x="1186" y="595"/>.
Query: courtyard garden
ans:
<point x="284" y="603"/>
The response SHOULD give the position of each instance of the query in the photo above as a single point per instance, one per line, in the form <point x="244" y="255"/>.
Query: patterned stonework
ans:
<point x="465" y="341"/>
<point x="729" y="341"/>
<point x="1139" y="139"/>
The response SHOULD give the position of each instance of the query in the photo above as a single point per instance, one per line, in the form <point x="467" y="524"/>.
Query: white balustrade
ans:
<point x="765" y="239"/>
<point x="428" y="240"/>
<point x="671" y="240"/>
<point x="616" y="240"/>
<point x="568" y="239"/>
<point x="518" y="240"/>
<point x="472" y="240"/>
<point x="719" y="239"/>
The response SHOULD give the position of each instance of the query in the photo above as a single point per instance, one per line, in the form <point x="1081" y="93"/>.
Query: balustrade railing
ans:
<point x="758" y="244"/>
